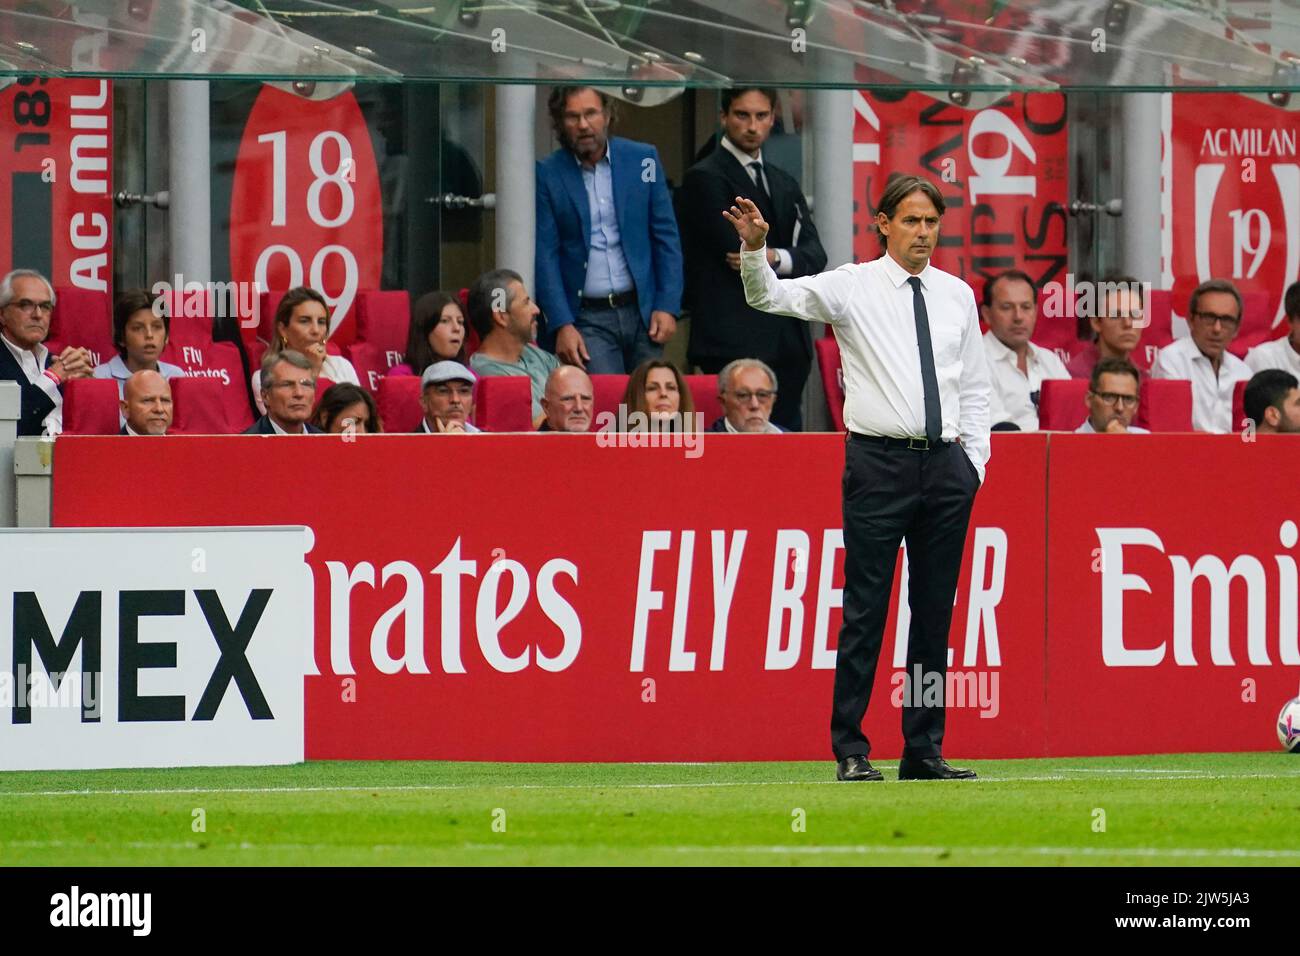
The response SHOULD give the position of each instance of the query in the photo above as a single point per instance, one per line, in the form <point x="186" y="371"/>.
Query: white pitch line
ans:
<point x="417" y="788"/>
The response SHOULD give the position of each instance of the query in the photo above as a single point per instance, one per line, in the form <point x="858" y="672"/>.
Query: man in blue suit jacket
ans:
<point x="609" y="260"/>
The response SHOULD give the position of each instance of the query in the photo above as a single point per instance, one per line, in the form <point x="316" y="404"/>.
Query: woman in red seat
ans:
<point x="437" y="334"/>
<point x="302" y="323"/>
<point x="140" y="336"/>
<point x="658" y="392"/>
<point x="343" y="406"/>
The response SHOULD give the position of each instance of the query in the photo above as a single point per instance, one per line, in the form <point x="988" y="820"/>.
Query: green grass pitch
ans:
<point x="1171" y="810"/>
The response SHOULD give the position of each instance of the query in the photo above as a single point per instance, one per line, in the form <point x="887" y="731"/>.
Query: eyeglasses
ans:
<point x="1115" y="398"/>
<point x="305" y="383"/>
<point x="27" y="306"/>
<point x="1227" y="321"/>
<point x="764" y="395"/>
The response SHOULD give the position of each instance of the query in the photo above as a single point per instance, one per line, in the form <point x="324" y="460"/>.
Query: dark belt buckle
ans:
<point x="611" y="297"/>
<point x="918" y="444"/>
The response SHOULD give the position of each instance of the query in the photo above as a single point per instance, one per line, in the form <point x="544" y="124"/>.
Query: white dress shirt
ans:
<point x="1279" y="354"/>
<point x="869" y="305"/>
<point x="33" y="365"/>
<point x="785" y="261"/>
<point x="1211" y="394"/>
<point x="1087" y="429"/>
<point x="1013" y="390"/>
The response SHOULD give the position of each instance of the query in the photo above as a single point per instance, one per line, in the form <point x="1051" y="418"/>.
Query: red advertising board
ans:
<point x="56" y="180"/>
<point x="1171" y="602"/>
<point x="655" y="604"/>
<point x="305" y="205"/>
<point x="1231" y="194"/>
<point x="1001" y="171"/>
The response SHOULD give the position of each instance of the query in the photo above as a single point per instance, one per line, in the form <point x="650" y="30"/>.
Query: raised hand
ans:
<point x="749" y="223"/>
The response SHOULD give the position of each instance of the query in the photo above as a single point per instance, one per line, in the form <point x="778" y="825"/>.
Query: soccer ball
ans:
<point x="1288" y="726"/>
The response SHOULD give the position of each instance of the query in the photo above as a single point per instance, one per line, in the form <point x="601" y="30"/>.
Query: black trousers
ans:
<point x="894" y="493"/>
<point x="791" y="377"/>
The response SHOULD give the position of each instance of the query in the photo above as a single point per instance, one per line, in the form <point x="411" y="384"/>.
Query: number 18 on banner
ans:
<point x="306" y="206"/>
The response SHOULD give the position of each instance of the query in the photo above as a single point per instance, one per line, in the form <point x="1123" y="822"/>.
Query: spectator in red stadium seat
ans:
<point x="1272" y="402"/>
<point x="1117" y="327"/>
<point x="1016" y="365"/>
<point x="569" y="401"/>
<point x="1214" y="316"/>
<point x="437" y="333"/>
<point x="302" y="323"/>
<point x="747" y="390"/>
<point x="1112" y="399"/>
<point x="26" y="304"/>
<point x="1283" y="353"/>
<point x="657" y="391"/>
<point x="146" y="404"/>
<point x="140" y="336"/>
<point x="505" y="319"/>
<point x="447" y="396"/>
<point x="288" y="384"/>
<point x="346" y="407"/>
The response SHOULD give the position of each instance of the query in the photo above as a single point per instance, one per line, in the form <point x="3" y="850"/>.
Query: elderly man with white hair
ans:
<point x="26" y="304"/>
<point x="747" y="390"/>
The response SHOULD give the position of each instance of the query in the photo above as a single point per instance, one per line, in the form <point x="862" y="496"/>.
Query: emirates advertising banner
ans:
<point x="1231" y="198"/>
<point x="1002" y="172"/>
<point x="305" y="206"/>
<point x="56" y="180"/>
<point x="152" y="648"/>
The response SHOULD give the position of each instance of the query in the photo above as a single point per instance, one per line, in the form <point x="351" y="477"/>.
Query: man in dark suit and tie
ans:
<point x="609" y="260"/>
<point x="723" y="326"/>
<point x="26" y="305"/>
<point x="289" y="392"/>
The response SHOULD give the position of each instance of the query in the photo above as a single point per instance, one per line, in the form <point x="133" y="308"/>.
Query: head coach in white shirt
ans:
<point x="916" y="384"/>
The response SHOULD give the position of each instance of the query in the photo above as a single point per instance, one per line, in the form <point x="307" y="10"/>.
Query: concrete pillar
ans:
<point x="190" y="214"/>
<point x="1141" y="219"/>
<point x="516" y="211"/>
<point x="832" y="180"/>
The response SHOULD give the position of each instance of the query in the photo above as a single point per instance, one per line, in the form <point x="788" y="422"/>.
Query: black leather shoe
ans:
<point x="857" y="767"/>
<point x="931" y="768"/>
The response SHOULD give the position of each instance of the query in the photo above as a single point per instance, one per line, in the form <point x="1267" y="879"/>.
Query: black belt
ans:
<point x="889" y="441"/>
<point x="615" y="300"/>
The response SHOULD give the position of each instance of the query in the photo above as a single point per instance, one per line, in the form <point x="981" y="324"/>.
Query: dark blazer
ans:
<point x="723" y="326"/>
<point x="35" y="403"/>
<point x="263" y="426"/>
<point x="646" y="225"/>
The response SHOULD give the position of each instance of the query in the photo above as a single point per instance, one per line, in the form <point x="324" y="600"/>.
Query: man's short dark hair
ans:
<point x="1291" y="301"/>
<point x="1011" y="275"/>
<point x="733" y="94"/>
<point x="1112" y="366"/>
<point x="559" y="98"/>
<point x="897" y="188"/>
<point x="1267" y="389"/>
<point x="1212" y="285"/>
<point x="128" y="303"/>
<point x="481" y="295"/>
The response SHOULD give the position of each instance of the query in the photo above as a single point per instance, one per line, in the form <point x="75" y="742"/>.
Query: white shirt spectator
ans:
<point x="335" y="368"/>
<point x="870" y="306"/>
<point x="33" y="365"/>
<point x="1087" y="429"/>
<point x="1211" y="394"/>
<point x="1015" y="391"/>
<point x="1279" y="354"/>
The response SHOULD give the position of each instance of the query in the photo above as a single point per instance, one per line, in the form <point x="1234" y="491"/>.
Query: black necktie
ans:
<point x="759" y="179"/>
<point x="929" y="380"/>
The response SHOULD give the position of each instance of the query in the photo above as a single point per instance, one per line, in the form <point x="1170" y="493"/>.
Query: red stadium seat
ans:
<point x="1060" y="404"/>
<point x="828" y="363"/>
<point x="1058" y="333"/>
<point x="219" y="361"/>
<point x="1239" y="405"/>
<point x="90" y="407"/>
<point x="504" y="403"/>
<point x="399" y="403"/>
<point x="607" y="394"/>
<point x="372" y="363"/>
<point x="383" y="319"/>
<point x="1256" y="325"/>
<point x="85" y="319"/>
<point x="1159" y="330"/>
<point x="198" y="407"/>
<point x="704" y="392"/>
<point x="267" y="304"/>
<point x="1165" y="405"/>
<point x="323" y="385"/>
